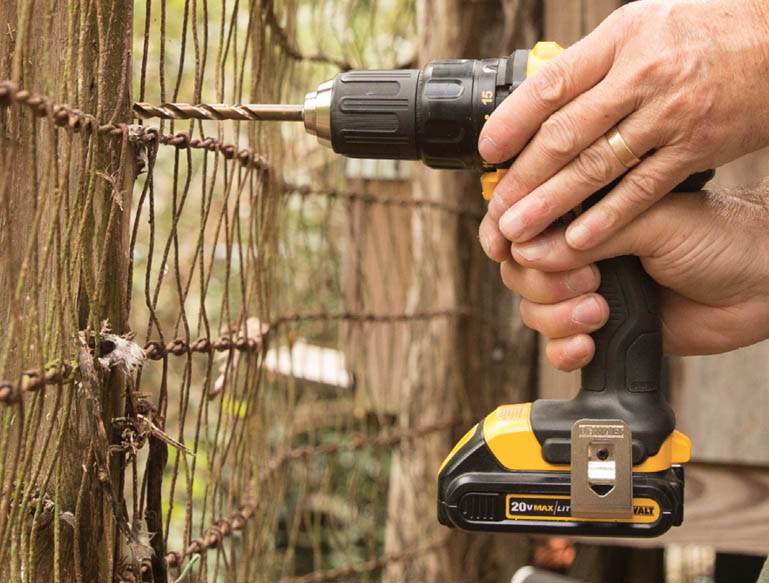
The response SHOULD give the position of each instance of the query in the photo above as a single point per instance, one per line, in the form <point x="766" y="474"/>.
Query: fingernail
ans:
<point x="588" y="311"/>
<point x="577" y="236"/>
<point x="489" y="150"/>
<point x="511" y="224"/>
<point x="575" y="349"/>
<point x="534" y="249"/>
<point x="580" y="280"/>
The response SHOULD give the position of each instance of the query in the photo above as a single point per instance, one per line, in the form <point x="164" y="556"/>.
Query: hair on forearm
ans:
<point x="730" y="202"/>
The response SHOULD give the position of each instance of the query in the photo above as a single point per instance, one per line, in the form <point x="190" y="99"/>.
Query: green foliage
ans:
<point x="331" y="510"/>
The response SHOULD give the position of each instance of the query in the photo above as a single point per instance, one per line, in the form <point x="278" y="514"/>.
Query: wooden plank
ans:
<point x="566" y="21"/>
<point x="721" y="400"/>
<point x="563" y="21"/>
<point x="600" y="564"/>
<point x="596" y="11"/>
<point x="721" y="403"/>
<point x="726" y="507"/>
<point x="379" y="268"/>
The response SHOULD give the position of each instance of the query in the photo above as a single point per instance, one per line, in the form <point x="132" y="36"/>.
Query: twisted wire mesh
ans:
<point x="272" y="303"/>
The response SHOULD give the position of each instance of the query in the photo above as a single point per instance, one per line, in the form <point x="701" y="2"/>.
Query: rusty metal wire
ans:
<point x="75" y="120"/>
<point x="63" y="115"/>
<point x="289" y="47"/>
<point x="384" y="200"/>
<point x="274" y="319"/>
<point x="238" y="520"/>
<point x="63" y="373"/>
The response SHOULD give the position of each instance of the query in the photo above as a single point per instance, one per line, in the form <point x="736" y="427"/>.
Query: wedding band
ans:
<point x="621" y="149"/>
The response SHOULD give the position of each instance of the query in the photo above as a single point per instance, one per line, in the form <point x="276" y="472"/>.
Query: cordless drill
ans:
<point x="607" y="462"/>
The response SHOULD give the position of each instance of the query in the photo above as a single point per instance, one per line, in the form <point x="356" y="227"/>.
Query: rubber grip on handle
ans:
<point x="628" y="348"/>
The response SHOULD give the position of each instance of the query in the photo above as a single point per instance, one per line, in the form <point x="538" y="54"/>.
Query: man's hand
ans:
<point x="710" y="254"/>
<point x="684" y="81"/>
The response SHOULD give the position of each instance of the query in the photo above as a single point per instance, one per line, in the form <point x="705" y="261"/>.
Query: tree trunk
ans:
<point x="458" y="367"/>
<point x="65" y="200"/>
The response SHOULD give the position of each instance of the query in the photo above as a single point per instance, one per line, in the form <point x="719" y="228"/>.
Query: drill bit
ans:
<point x="219" y="111"/>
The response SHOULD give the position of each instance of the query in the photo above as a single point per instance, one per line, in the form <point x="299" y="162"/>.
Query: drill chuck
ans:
<point x="317" y="113"/>
<point x="434" y="115"/>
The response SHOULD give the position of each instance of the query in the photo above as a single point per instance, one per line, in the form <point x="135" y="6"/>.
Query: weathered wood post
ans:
<point x="459" y="367"/>
<point x="65" y="200"/>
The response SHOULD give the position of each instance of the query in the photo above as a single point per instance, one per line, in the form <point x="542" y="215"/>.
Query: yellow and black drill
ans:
<point x="607" y="462"/>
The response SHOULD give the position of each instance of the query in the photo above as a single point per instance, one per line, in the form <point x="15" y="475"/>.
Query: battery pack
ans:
<point x="476" y="492"/>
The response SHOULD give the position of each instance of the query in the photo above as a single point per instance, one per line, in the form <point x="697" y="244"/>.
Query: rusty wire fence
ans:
<point x="245" y="428"/>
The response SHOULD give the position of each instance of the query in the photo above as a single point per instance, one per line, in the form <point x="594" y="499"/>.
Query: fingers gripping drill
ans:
<point x="607" y="462"/>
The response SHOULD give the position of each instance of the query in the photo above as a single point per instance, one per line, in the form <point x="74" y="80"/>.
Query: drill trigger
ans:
<point x="489" y="181"/>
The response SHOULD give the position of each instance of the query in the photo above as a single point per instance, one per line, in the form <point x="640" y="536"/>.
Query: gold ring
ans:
<point x="621" y="149"/>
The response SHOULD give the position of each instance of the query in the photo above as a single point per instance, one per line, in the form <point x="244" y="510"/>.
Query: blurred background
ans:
<point x="319" y="331"/>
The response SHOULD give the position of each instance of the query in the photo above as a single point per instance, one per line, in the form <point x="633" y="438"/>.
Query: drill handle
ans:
<point x="628" y="349"/>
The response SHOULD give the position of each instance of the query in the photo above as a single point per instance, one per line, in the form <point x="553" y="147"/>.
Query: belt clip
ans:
<point x="601" y="469"/>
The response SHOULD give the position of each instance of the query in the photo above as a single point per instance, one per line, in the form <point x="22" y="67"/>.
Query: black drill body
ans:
<point x="434" y="115"/>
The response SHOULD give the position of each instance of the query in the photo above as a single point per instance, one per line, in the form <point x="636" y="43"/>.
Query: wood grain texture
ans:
<point x="596" y="10"/>
<point x="100" y="75"/>
<point x="610" y="564"/>
<point x="726" y="507"/>
<point x="721" y="403"/>
<point x="459" y="367"/>
<point x="721" y="400"/>
<point x="379" y="268"/>
<point x="563" y="21"/>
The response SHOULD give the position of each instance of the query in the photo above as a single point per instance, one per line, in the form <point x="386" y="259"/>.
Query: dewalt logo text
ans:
<point x="643" y="510"/>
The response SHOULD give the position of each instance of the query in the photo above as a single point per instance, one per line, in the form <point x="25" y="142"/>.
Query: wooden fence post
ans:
<point x="78" y="54"/>
<point x="462" y="367"/>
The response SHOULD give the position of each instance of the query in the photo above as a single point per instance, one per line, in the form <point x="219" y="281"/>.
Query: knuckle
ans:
<point x="555" y="355"/>
<point x="675" y="106"/>
<point x="551" y="86"/>
<point x="524" y="308"/>
<point x="651" y="71"/>
<point x="559" y="140"/>
<point x="532" y="316"/>
<point x="542" y="287"/>
<point x="593" y="166"/>
<point x="510" y="187"/>
<point x="542" y="203"/>
<point x="609" y="215"/>
<point x="626" y="21"/>
<point x="641" y="189"/>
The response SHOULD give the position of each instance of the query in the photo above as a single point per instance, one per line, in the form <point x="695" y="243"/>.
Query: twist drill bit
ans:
<point x="219" y="111"/>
